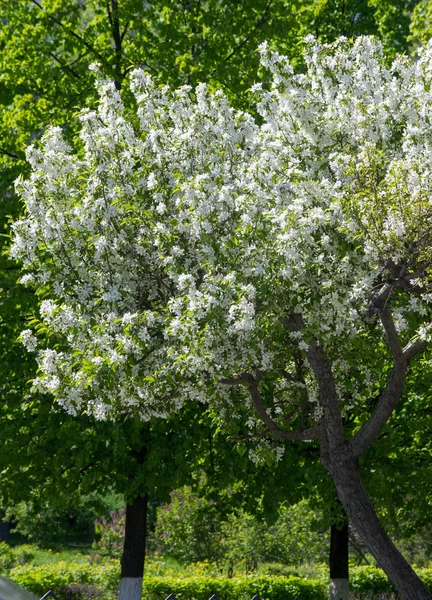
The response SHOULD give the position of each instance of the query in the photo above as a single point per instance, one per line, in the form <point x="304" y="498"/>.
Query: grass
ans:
<point x="43" y="557"/>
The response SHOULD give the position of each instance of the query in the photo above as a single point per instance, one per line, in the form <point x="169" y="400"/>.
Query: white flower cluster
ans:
<point x="170" y="250"/>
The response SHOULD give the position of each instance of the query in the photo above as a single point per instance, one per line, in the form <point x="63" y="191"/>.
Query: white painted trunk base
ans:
<point x="339" y="589"/>
<point x="130" y="588"/>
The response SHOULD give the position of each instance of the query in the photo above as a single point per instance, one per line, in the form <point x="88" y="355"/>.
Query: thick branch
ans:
<point x="312" y="433"/>
<point x="379" y="299"/>
<point x="413" y="348"/>
<point x="386" y="404"/>
<point x="328" y="395"/>
<point x="302" y="434"/>
<point x="113" y="15"/>
<point x="322" y="370"/>
<point x="392" y="335"/>
<point x="393" y="391"/>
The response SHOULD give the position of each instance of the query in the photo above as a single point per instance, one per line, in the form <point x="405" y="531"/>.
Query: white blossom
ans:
<point x="172" y="251"/>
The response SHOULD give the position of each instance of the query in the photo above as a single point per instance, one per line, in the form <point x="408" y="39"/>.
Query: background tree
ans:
<point x="46" y="50"/>
<point x="207" y="305"/>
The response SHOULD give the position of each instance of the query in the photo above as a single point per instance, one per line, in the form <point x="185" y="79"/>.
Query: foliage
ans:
<point x="46" y="525"/>
<point x="268" y="588"/>
<point x="292" y="539"/>
<point x="7" y="558"/>
<point x="194" y="528"/>
<point x="366" y="580"/>
<point x="24" y="553"/>
<point x="46" y="50"/>
<point x="363" y="581"/>
<point x="81" y="591"/>
<point x="39" y="579"/>
<point x="189" y="527"/>
<point x="198" y="579"/>
<point x="110" y="534"/>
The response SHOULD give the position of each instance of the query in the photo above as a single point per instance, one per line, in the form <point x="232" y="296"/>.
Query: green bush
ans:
<point x="371" y="580"/>
<point x="364" y="580"/>
<point x="24" y="554"/>
<point x="57" y="576"/>
<point x="45" y="525"/>
<point x="82" y="582"/>
<point x="239" y="588"/>
<point x="7" y="558"/>
<point x="81" y="591"/>
<point x="79" y="581"/>
<point x="195" y="529"/>
<point x="426" y="576"/>
<point x="110" y="534"/>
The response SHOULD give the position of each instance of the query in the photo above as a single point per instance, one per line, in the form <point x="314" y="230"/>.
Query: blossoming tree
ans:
<point x="278" y="269"/>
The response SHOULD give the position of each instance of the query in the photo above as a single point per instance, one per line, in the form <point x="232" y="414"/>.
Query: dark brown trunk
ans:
<point x="133" y="557"/>
<point x="338" y="561"/>
<point x="4" y="531"/>
<point x="366" y="524"/>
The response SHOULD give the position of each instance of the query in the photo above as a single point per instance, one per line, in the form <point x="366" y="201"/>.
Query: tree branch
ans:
<point x="70" y="32"/>
<point x="65" y="67"/>
<point x="392" y="392"/>
<point x="322" y="370"/>
<point x="245" y="40"/>
<point x="305" y="435"/>
<point x="328" y="395"/>
<point x="413" y="348"/>
<point x="392" y="335"/>
<point x="113" y="15"/>
<point x="10" y="154"/>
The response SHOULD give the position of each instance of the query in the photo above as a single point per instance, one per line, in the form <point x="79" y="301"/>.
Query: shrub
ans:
<point x="195" y="529"/>
<point x="81" y="591"/>
<point x="87" y="582"/>
<point x="7" y="558"/>
<point x="239" y="588"/>
<point x="189" y="528"/>
<point x="110" y="534"/>
<point x="24" y="554"/>
<point x="45" y="525"/>
<point x="365" y="580"/>
<point x="371" y="580"/>
<point x="58" y="576"/>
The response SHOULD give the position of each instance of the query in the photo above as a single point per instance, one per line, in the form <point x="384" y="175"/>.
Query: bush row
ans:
<point x="60" y="576"/>
<point x="102" y="581"/>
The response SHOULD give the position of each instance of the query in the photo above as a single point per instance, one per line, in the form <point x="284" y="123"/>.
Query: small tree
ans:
<point x="280" y="271"/>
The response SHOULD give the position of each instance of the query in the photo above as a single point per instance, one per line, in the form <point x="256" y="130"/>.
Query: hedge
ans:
<point x="56" y="576"/>
<point x="238" y="588"/>
<point x="62" y="576"/>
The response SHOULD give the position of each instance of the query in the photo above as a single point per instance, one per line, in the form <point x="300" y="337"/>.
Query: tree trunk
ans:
<point x="133" y="557"/>
<point x="338" y="562"/>
<point x="366" y="524"/>
<point x="4" y="530"/>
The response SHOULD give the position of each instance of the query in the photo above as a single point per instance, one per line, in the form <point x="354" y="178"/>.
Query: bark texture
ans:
<point x="133" y="557"/>
<point x="366" y="524"/>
